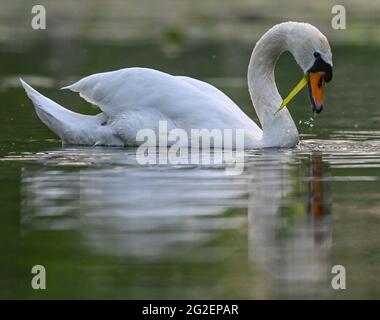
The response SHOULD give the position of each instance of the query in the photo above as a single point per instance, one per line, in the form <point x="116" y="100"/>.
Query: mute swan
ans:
<point x="132" y="99"/>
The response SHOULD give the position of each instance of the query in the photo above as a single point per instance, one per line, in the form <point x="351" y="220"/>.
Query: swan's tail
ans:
<point x="71" y="127"/>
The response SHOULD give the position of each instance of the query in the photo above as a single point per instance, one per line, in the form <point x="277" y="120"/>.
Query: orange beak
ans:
<point x="316" y="90"/>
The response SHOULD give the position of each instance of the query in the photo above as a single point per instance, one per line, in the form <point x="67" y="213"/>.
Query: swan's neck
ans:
<point x="278" y="129"/>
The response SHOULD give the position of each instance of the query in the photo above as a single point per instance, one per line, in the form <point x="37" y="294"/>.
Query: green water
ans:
<point x="105" y="227"/>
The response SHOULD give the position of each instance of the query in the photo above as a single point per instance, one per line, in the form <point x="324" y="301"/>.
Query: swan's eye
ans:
<point x="320" y="65"/>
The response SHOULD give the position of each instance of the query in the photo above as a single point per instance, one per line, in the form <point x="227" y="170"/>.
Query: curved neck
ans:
<point x="262" y="86"/>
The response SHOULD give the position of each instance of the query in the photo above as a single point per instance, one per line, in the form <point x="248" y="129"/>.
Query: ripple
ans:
<point x="356" y="135"/>
<point x="329" y="146"/>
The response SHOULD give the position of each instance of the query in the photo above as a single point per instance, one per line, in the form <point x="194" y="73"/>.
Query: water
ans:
<point x="105" y="227"/>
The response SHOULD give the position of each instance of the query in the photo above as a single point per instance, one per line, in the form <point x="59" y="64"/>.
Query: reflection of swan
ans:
<point x="138" y="98"/>
<point x="155" y="212"/>
<point x="131" y="210"/>
<point x="290" y="241"/>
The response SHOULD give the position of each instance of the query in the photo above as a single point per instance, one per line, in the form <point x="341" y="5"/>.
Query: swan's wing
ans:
<point x="241" y="119"/>
<point x="207" y="89"/>
<point x="127" y="89"/>
<point x="144" y="96"/>
<point x="105" y="90"/>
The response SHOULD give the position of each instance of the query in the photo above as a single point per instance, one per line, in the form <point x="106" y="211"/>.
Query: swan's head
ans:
<point x="312" y="52"/>
<point x="319" y="73"/>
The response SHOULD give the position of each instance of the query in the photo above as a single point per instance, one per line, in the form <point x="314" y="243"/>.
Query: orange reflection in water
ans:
<point x="316" y="203"/>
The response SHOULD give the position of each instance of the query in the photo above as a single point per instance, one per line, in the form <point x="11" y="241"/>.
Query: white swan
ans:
<point x="132" y="99"/>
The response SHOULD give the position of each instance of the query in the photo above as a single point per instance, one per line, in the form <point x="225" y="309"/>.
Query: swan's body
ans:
<point x="133" y="99"/>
